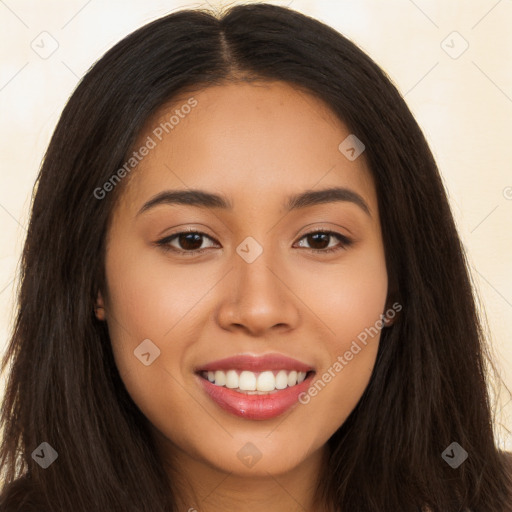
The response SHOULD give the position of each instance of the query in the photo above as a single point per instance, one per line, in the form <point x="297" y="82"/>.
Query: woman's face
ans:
<point x="297" y="318"/>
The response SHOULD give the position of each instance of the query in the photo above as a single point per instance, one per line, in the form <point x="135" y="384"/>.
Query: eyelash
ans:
<point x="164" y="243"/>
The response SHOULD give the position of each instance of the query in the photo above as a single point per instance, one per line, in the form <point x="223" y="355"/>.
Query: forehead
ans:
<point x="261" y="139"/>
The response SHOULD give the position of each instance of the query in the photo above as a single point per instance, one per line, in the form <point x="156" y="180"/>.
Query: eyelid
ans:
<point x="164" y="243"/>
<point x="344" y="240"/>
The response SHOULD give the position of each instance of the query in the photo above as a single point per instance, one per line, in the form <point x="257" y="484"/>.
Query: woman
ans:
<point x="243" y="288"/>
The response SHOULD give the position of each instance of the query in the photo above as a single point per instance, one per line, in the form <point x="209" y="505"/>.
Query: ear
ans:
<point x="99" y="307"/>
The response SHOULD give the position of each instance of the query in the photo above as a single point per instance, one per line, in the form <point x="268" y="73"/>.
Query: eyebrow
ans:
<point x="203" y="199"/>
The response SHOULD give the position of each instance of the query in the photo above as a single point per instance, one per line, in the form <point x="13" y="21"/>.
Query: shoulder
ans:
<point x="19" y="496"/>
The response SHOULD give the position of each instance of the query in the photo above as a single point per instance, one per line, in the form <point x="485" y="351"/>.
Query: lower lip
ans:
<point x="255" y="407"/>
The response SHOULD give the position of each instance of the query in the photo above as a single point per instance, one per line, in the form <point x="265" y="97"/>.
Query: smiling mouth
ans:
<point x="256" y="383"/>
<point x="255" y="387"/>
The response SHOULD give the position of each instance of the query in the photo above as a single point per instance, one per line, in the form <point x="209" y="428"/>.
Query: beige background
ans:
<point x="461" y="97"/>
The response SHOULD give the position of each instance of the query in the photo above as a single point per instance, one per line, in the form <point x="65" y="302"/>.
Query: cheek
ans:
<point x="148" y="302"/>
<point x="148" y="297"/>
<point x="349" y="302"/>
<point x="356" y="304"/>
<point x="348" y="297"/>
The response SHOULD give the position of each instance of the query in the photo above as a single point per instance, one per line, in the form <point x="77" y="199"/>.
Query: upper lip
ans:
<point x="256" y="363"/>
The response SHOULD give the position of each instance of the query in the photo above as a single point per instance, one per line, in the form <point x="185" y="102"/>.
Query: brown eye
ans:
<point x="185" y="242"/>
<point x="189" y="241"/>
<point x="319" y="241"/>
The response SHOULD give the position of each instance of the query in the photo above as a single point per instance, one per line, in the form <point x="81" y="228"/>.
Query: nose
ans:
<point x="257" y="299"/>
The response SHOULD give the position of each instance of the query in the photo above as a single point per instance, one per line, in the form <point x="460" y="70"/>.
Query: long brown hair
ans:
<point x="429" y="385"/>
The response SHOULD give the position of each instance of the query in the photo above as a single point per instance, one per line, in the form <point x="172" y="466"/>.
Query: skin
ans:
<point x="256" y="143"/>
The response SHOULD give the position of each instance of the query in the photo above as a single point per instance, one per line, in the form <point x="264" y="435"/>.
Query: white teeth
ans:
<point x="247" y="381"/>
<point x="220" y="378"/>
<point x="266" y="381"/>
<point x="282" y="380"/>
<point x="232" y="379"/>
<point x="292" y="378"/>
<point x="255" y="383"/>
